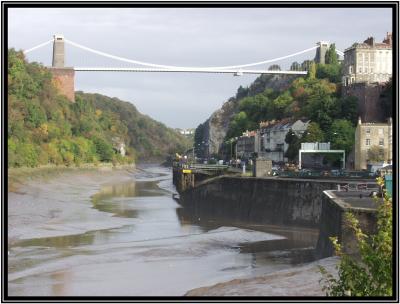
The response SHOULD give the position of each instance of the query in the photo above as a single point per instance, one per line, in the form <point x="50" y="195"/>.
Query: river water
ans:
<point x="155" y="250"/>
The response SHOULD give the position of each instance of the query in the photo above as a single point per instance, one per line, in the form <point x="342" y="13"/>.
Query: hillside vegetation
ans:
<point x="316" y="97"/>
<point x="46" y="128"/>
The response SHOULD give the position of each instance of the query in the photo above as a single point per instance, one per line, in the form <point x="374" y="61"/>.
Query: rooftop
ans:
<point x="357" y="199"/>
<point x="370" y="43"/>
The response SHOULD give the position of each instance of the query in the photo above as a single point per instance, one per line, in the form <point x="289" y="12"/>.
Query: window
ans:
<point x="380" y="131"/>
<point x="366" y="70"/>
<point x="367" y="142"/>
<point x="360" y="70"/>
<point x="381" y="141"/>
<point x="368" y="131"/>
<point x="372" y="70"/>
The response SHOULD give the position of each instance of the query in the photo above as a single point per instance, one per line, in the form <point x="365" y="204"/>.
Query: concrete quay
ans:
<point x="314" y="203"/>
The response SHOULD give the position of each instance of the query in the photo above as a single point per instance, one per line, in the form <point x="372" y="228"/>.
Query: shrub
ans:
<point x="370" y="273"/>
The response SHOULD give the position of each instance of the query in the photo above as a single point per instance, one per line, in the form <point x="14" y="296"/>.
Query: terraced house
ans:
<point x="273" y="134"/>
<point x="373" y="143"/>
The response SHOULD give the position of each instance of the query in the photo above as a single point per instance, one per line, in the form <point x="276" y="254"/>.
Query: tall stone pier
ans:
<point x="63" y="77"/>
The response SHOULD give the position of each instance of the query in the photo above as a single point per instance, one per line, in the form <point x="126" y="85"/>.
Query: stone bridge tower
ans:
<point x="63" y="77"/>
<point x="321" y="51"/>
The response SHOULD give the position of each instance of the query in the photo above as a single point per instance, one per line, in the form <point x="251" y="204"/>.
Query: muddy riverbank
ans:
<point x="46" y="201"/>
<point x="121" y="233"/>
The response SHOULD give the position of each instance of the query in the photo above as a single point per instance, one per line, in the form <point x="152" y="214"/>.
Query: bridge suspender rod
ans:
<point x="178" y="67"/>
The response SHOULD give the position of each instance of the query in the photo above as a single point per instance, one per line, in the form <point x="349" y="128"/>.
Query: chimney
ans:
<point x="388" y="39"/>
<point x="370" y="41"/>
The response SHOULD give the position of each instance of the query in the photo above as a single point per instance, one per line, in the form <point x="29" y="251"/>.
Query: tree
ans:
<point x="306" y="65"/>
<point x="330" y="56"/>
<point x="242" y="92"/>
<point x="375" y="154"/>
<point x="333" y="72"/>
<point x="370" y="272"/>
<point x="239" y="124"/>
<point x="103" y="149"/>
<point x="294" y="145"/>
<point x="347" y="108"/>
<point x="274" y="67"/>
<point x="281" y="103"/>
<point x="341" y="135"/>
<point x="312" y="71"/>
<point x="313" y="133"/>
<point x="295" y="66"/>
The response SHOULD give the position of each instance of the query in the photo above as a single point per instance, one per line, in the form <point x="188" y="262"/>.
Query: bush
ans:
<point x="103" y="149"/>
<point x="371" y="273"/>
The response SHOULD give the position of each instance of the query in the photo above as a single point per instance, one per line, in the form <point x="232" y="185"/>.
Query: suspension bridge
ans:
<point x="237" y="70"/>
<point x="65" y="76"/>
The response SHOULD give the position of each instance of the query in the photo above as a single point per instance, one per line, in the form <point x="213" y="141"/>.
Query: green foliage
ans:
<point x="281" y="103"/>
<point x="370" y="272"/>
<point x="313" y="133"/>
<point x="239" y="124"/>
<point x="333" y="72"/>
<point x="375" y="154"/>
<point x="274" y="67"/>
<point x="295" y="66"/>
<point x="312" y="72"/>
<point x="347" y="108"/>
<point x="341" y="135"/>
<point x="307" y="98"/>
<point x="103" y="149"/>
<point x="44" y="127"/>
<point x="331" y="57"/>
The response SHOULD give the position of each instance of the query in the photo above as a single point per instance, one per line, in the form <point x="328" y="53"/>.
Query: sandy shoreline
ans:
<point x="59" y="204"/>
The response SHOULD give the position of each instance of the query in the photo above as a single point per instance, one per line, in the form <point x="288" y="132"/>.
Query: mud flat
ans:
<point x="297" y="281"/>
<point x="121" y="233"/>
<point x="58" y="203"/>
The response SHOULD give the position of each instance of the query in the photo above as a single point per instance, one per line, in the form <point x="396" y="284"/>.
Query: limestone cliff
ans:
<point x="214" y="129"/>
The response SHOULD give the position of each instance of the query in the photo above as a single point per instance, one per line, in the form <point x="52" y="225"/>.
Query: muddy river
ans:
<point x="90" y="234"/>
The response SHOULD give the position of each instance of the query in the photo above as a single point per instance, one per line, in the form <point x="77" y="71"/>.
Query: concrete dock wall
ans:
<point x="259" y="200"/>
<point x="333" y="224"/>
<point x="289" y="202"/>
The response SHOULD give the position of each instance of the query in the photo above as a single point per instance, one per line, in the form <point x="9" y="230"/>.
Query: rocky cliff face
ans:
<point x="217" y="125"/>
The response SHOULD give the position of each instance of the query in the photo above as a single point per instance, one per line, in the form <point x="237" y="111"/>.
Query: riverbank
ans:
<point x="54" y="201"/>
<point x="300" y="281"/>
<point x="119" y="232"/>
<point x="19" y="176"/>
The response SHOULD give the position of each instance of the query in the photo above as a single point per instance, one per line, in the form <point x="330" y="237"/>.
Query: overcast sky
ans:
<point x="186" y="37"/>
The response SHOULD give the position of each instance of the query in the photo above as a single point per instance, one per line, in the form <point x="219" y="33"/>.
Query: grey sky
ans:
<point x="186" y="37"/>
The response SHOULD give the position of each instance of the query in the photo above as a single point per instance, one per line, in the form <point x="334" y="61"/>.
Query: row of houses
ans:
<point x="373" y="141"/>
<point x="269" y="140"/>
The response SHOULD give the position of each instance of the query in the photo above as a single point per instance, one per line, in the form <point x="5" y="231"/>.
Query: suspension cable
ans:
<point x="38" y="46"/>
<point x="340" y="53"/>
<point x="179" y="67"/>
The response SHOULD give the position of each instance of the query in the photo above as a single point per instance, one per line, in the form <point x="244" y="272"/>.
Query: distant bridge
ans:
<point x="237" y="70"/>
<point x="65" y="76"/>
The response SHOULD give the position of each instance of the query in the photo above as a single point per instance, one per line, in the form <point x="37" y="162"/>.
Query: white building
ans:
<point x="186" y="131"/>
<point x="273" y="134"/>
<point x="368" y="62"/>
